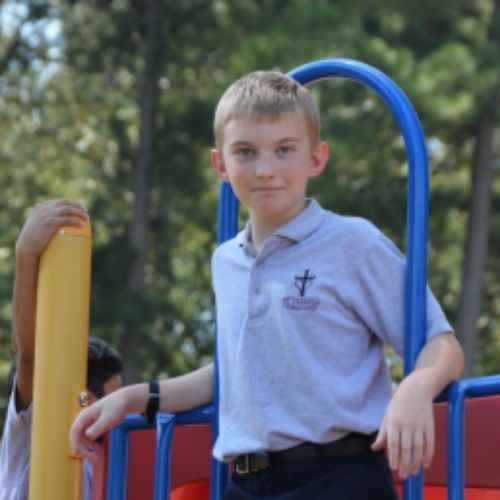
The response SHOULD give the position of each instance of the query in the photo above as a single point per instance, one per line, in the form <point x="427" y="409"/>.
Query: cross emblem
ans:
<point x="303" y="282"/>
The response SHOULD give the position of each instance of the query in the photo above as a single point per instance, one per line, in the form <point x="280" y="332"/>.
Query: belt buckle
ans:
<point x="252" y="462"/>
<point x="243" y="468"/>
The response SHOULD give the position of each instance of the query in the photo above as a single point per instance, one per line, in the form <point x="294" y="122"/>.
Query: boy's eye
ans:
<point x="244" y="152"/>
<point x="283" y="150"/>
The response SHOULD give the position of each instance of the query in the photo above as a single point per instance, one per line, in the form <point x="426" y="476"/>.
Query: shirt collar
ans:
<point x="304" y="223"/>
<point x="243" y="239"/>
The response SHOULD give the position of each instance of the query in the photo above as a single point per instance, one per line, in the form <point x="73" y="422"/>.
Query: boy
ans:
<point x="104" y="363"/>
<point x="306" y="300"/>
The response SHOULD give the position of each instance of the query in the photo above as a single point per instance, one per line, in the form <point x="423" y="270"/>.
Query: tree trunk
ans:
<point x="476" y="247"/>
<point x="139" y="228"/>
<point x="476" y="244"/>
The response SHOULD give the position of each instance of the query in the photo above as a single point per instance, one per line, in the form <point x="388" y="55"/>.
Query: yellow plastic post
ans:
<point x="62" y="320"/>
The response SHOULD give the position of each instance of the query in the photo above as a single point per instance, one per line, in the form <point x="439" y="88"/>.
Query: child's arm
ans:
<point x="37" y="231"/>
<point x="176" y="394"/>
<point x="407" y="430"/>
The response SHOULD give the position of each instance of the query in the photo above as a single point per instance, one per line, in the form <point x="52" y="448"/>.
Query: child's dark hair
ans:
<point x="103" y="363"/>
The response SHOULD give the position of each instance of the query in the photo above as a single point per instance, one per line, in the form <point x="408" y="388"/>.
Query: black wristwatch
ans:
<point x="153" y="401"/>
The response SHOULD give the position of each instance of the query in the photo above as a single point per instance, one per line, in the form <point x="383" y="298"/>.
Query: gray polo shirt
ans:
<point x="301" y="331"/>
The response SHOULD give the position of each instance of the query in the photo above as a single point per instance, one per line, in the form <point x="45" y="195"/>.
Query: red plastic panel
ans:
<point x="198" y="490"/>
<point x="191" y="459"/>
<point x="440" y="493"/>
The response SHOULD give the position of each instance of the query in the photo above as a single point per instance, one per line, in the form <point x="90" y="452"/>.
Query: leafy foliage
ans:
<point x="70" y="78"/>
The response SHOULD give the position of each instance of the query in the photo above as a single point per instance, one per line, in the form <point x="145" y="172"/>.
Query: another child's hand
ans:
<point x="94" y="421"/>
<point x="45" y="219"/>
<point x="407" y="431"/>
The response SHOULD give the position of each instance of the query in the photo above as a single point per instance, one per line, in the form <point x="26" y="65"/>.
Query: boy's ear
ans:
<point x="319" y="158"/>
<point x="218" y="164"/>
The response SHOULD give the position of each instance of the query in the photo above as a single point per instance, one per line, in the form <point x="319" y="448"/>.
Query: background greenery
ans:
<point x="111" y="102"/>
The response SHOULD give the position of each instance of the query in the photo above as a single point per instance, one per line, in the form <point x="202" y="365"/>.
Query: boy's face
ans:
<point x="268" y="163"/>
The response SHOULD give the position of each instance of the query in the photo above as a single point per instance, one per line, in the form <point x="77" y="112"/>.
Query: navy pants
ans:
<point x="359" y="477"/>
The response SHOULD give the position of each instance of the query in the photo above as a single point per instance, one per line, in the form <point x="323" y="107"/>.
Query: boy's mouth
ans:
<point x="267" y="189"/>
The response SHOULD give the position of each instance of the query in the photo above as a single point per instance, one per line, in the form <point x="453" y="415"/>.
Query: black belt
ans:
<point x="352" y="444"/>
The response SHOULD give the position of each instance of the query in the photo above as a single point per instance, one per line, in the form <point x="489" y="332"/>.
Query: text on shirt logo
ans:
<point x="302" y="303"/>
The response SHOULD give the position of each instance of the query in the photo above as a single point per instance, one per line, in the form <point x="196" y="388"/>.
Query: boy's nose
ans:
<point x="264" y="168"/>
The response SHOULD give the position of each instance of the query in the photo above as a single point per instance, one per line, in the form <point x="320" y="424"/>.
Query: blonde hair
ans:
<point x="266" y="94"/>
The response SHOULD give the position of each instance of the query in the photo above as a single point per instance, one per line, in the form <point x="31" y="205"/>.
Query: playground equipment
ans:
<point x="190" y="464"/>
<point x="416" y="244"/>
<point x="60" y="364"/>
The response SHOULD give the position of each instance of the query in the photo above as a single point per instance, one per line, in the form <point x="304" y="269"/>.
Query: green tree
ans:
<point x="93" y="93"/>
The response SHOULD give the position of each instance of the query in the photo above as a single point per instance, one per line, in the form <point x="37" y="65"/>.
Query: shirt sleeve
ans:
<point x="15" y="451"/>
<point x="380" y="301"/>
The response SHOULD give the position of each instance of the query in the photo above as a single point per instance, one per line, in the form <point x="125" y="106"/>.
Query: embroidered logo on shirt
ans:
<point x="302" y="303"/>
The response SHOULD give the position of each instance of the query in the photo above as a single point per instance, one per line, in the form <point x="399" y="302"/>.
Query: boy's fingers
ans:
<point x="417" y="452"/>
<point x="78" y="438"/>
<point x="405" y="453"/>
<point x="54" y="209"/>
<point x="379" y="442"/>
<point x="87" y="453"/>
<point x="70" y="215"/>
<point x="81" y="447"/>
<point x="429" y="446"/>
<point x="94" y="431"/>
<point x="393" y="447"/>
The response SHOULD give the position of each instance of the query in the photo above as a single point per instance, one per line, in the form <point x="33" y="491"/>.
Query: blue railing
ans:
<point x="469" y="388"/>
<point x="118" y="450"/>
<point x="415" y="301"/>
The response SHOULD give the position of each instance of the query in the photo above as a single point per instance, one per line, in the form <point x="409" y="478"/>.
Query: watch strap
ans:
<point x="153" y="403"/>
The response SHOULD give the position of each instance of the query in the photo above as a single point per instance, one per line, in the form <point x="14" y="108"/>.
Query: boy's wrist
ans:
<point x="421" y="382"/>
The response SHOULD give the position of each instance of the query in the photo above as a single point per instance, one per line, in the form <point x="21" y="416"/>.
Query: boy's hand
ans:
<point x="44" y="220"/>
<point x="94" y="421"/>
<point x="407" y="431"/>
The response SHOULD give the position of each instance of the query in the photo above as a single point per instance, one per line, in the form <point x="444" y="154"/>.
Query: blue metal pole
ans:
<point x="417" y="204"/>
<point x="456" y="407"/>
<point x="118" y="455"/>
<point x="472" y="388"/>
<point x="163" y="469"/>
<point x="227" y="228"/>
<point x="117" y="463"/>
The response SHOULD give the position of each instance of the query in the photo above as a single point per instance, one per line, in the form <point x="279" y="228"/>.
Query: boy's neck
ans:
<point x="260" y="234"/>
<point x="263" y="227"/>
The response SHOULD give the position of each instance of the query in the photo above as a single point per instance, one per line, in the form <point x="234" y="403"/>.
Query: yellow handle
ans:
<point x="62" y="320"/>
